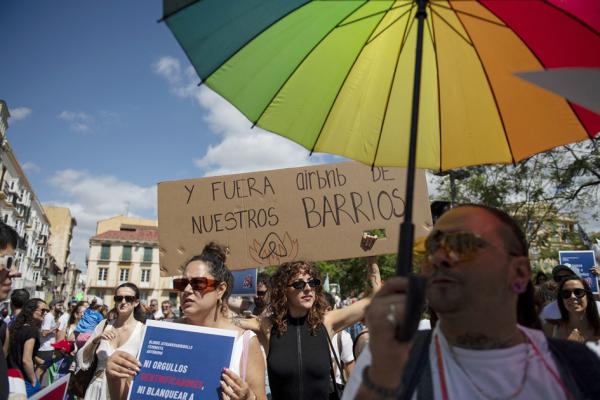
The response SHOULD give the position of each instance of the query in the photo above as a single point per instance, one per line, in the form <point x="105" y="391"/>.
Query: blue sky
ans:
<point x="104" y="105"/>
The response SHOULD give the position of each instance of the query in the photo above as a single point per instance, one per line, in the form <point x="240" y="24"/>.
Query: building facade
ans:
<point x="127" y="254"/>
<point x="61" y="235"/>
<point x="21" y="209"/>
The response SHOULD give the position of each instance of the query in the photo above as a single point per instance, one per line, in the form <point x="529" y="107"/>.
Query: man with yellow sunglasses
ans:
<point x="488" y="343"/>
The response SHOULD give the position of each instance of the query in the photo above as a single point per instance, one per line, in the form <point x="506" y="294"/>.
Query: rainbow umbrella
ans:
<point x="343" y="76"/>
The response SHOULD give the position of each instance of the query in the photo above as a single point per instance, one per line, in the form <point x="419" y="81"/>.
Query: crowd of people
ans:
<point x="490" y="332"/>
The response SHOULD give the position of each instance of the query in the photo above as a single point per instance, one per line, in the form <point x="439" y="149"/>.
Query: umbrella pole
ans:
<point x="416" y="292"/>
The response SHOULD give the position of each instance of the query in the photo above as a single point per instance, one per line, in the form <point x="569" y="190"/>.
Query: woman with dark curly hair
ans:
<point x="25" y="342"/>
<point x="296" y="330"/>
<point x="579" y="321"/>
<point x="205" y="287"/>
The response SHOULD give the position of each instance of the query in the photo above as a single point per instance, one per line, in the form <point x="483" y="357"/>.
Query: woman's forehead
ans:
<point x="196" y="269"/>
<point x="573" y="283"/>
<point x="301" y="275"/>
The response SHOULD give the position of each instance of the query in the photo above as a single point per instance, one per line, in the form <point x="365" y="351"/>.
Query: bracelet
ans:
<point x="383" y="392"/>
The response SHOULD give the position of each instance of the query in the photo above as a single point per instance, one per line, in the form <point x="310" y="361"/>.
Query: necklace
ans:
<point x="479" y="390"/>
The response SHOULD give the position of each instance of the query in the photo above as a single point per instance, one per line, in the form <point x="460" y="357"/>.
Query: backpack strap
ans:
<point x="579" y="367"/>
<point x="417" y="372"/>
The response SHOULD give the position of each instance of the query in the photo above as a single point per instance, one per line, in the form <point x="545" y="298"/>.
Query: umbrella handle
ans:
<point x="415" y="298"/>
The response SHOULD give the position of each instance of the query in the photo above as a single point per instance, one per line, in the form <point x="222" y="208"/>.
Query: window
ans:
<point x="36" y="276"/>
<point x="124" y="275"/>
<point x="126" y="256"/>
<point x="145" y="275"/>
<point x="102" y="274"/>
<point x="105" y="252"/>
<point x="147" y="254"/>
<point x="144" y="296"/>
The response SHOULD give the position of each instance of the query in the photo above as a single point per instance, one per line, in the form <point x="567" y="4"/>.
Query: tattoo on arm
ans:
<point x="236" y="321"/>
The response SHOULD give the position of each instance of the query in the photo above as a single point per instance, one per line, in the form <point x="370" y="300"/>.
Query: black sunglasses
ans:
<point x="566" y="293"/>
<point x="128" y="299"/>
<point x="198" y="284"/>
<point x="260" y="293"/>
<point x="7" y="261"/>
<point x="300" y="284"/>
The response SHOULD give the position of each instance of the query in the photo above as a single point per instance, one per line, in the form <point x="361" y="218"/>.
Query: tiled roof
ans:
<point x="142" y="235"/>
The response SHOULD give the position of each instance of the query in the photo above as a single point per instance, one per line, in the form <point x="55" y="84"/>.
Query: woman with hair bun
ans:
<point x="205" y="287"/>
<point x="123" y="334"/>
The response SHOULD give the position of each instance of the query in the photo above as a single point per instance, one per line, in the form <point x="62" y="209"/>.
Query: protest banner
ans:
<point x="269" y="217"/>
<point x="56" y="391"/>
<point x="581" y="261"/>
<point x="244" y="282"/>
<point x="181" y="362"/>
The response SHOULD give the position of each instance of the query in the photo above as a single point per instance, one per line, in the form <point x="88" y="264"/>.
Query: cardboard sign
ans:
<point x="56" y="391"/>
<point x="181" y="361"/>
<point x="581" y="262"/>
<point x="270" y="217"/>
<point x="244" y="282"/>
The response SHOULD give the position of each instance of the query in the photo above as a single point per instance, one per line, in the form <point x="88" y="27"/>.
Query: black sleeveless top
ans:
<point x="298" y="363"/>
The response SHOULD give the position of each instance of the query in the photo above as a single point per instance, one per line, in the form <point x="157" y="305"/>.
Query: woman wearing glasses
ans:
<point x="122" y="334"/>
<point x="579" y="315"/>
<point x="205" y="288"/>
<point x="25" y="342"/>
<point x="296" y="331"/>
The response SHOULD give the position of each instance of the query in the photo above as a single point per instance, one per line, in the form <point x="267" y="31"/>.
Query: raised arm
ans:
<point x="339" y="319"/>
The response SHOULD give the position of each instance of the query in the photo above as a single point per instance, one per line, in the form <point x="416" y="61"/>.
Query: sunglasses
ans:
<point x="44" y="310"/>
<point x="459" y="245"/>
<point x="128" y="299"/>
<point x="300" y="284"/>
<point x="260" y="293"/>
<point x="198" y="284"/>
<point x="566" y="293"/>
<point x="7" y="262"/>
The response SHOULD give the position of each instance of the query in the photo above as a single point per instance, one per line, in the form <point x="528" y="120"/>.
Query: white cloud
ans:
<point x="30" y="168"/>
<point x="19" y="113"/>
<point x="242" y="148"/>
<point x="78" y="121"/>
<point x="92" y="198"/>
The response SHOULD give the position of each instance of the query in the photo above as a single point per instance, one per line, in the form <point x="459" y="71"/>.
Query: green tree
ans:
<point x="536" y="191"/>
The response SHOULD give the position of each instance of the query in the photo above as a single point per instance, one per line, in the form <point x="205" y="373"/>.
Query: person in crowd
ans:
<point x="540" y="278"/>
<point x="360" y="342"/>
<point x="261" y="300"/>
<point x="153" y="312"/>
<point x="88" y="322"/>
<point x="18" y="298"/>
<point x="25" y="342"/>
<point x="167" y="312"/>
<point x="64" y="320"/>
<point x="205" y="288"/>
<point x="477" y="275"/>
<point x="8" y="270"/>
<point x="65" y="347"/>
<point x="48" y="336"/>
<point x="123" y="334"/>
<point x="342" y="350"/>
<point x="295" y="330"/>
<point x="551" y="312"/>
<point x="579" y="315"/>
<point x="545" y="294"/>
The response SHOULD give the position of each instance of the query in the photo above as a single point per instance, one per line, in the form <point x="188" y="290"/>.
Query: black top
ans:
<point x="3" y="367"/>
<point x="17" y="344"/>
<point x="299" y="364"/>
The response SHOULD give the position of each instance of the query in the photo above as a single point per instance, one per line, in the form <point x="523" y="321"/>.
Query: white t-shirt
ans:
<point x="347" y="354"/>
<point x="63" y="321"/>
<point x="551" y="310"/>
<point x="498" y="373"/>
<point x="46" y="342"/>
